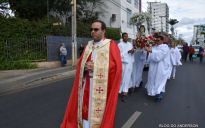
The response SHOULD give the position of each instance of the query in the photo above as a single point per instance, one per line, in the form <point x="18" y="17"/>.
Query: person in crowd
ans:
<point x="182" y="51"/>
<point x="94" y="95"/>
<point x="159" y="68"/>
<point x="191" y="52"/>
<point x="174" y="59"/>
<point x="201" y="54"/>
<point x="81" y="48"/>
<point x="63" y="53"/>
<point x="185" y="51"/>
<point x="126" y="52"/>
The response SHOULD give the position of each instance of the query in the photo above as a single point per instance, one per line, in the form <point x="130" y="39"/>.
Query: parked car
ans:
<point x="180" y="50"/>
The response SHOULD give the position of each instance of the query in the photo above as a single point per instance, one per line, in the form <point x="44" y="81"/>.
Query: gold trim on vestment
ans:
<point x="99" y="83"/>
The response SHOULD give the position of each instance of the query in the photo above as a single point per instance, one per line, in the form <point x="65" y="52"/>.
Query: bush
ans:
<point x="13" y="65"/>
<point x="113" y="34"/>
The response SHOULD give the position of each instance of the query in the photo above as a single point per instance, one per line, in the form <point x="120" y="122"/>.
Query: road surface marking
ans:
<point x="131" y="120"/>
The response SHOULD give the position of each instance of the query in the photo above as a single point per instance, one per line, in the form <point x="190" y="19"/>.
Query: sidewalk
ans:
<point x="13" y="79"/>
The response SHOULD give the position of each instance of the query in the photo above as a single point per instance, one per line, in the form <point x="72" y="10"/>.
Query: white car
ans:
<point x="196" y="49"/>
<point x="180" y="48"/>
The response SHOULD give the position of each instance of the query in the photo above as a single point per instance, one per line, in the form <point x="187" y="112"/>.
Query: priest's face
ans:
<point x="125" y="38"/>
<point x="96" y="32"/>
<point x="159" y="41"/>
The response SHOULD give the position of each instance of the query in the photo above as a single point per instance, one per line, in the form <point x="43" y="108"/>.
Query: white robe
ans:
<point x="159" y="65"/>
<point x="127" y="62"/>
<point x="175" y="57"/>
<point x="138" y="65"/>
<point x="86" y="123"/>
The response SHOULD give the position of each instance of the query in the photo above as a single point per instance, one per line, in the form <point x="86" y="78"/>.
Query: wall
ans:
<point x="126" y="5"/>
<point x="112" y="8"/>
<point x="54" y="44"/>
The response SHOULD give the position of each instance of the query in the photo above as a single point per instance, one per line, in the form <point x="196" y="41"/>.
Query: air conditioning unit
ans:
<point x="113" y="17"/>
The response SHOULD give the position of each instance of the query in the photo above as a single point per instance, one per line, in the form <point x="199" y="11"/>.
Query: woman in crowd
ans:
<point x="201" y="54"/>
<point x="81" y="48"/>
<point x="191" y="52"/>
<point x="174" y="59"/>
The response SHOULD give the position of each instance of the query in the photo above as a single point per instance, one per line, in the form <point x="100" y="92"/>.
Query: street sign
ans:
<point x="56" y="24"/>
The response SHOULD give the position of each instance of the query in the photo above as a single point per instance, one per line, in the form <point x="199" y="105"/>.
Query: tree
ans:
<point x="172" y="22"/>
<point x="37" y="9"/>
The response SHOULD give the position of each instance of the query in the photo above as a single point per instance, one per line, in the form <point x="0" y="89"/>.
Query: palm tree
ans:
<point x="172" y="22"/>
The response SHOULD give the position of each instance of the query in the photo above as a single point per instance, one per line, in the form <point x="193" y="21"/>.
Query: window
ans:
<point x="136" y="4"/>
<point x="129" y="1"/>
<point x="128" y="18"/>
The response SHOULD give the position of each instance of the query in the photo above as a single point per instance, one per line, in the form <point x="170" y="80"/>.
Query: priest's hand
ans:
<point x="89" y="66"/>
<point x="131" y="51"/>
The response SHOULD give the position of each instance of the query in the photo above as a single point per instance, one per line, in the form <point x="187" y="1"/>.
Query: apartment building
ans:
<point x="160" y="15"/>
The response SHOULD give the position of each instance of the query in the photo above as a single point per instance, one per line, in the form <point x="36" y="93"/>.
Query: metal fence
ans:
<point x="33" y="49"/>
<point x="39" y="48"/>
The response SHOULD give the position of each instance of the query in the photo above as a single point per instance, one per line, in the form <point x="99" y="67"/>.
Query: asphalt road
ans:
<point x="43" y="106"/>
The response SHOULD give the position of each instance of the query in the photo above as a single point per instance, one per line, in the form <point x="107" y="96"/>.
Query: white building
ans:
<point x="115" y="14"/>
<point x="118" y="15"/>
<point x="198" y="38"/>
<point x="160" y="16"/>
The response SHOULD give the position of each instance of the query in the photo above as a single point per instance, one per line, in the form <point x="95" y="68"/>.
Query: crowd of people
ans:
<point x="162" y="63"/>
<point x="190" y="50"/>
<point x="106" y="69"/>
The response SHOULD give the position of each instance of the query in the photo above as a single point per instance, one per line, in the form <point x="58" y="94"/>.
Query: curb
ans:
<point x="50" y="76"/>
<point x="7" y="74"/>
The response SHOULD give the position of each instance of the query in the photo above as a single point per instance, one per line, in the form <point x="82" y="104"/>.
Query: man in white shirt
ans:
<point x="159" y="64"/>
<point x="63" y="53"/>
<point x="126" y="52"/>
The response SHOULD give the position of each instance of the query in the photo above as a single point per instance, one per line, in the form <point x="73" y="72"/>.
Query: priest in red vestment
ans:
<point x="94" y="95"/>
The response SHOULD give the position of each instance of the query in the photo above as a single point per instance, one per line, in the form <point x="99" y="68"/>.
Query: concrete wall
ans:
<point x="54" y="44"/>
<point x="53" y="49"/>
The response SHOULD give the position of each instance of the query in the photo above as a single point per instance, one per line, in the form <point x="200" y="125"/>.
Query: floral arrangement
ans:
<point x="140" y="18"/>
<point x="140" y="43"/>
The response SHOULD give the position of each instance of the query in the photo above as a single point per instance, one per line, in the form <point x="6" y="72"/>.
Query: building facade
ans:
<point x="198" y="38"/>
<point x="115" y="13"/>
<point x="160" y="16"/>
<point x="119" y="13"/>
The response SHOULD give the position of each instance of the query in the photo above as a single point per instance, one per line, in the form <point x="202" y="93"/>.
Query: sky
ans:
<point x="187" y="12"/>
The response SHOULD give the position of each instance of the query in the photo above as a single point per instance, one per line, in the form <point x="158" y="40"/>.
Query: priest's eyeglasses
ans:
<point x="95" y="29"/>
<point x="157" y="40"/>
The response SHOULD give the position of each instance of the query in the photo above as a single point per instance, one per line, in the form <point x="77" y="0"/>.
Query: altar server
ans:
<point x="159" y="68"/>
<point x="126" y="52"/>
<point x="174" y="59"/>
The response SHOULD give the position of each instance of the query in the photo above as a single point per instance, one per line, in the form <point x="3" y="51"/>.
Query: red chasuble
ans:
<point x="114" y="77"/>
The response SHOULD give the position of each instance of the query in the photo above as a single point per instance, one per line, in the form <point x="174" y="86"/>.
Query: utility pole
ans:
<point x="74" y="35"/>
<point x="161" y="24"/>
<point x="48" y="11"/>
